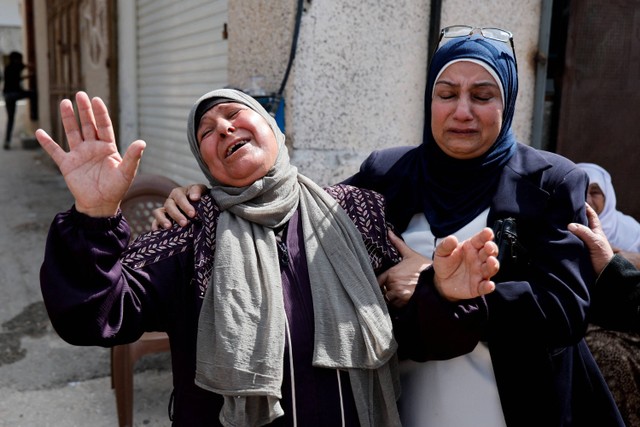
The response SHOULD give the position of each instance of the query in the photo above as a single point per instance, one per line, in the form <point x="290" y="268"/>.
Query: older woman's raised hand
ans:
<point x="463" y="270"/>
<point x="96" y="174"/>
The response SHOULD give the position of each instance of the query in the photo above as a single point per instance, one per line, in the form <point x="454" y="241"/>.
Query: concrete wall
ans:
<point x="10" y="28"/>
<point x="260" y="34"/>
<point x="360" y="70"/>
<point x="10" y="15"/>
<point x="10" y="40"/>
<point x="358" y="83"/>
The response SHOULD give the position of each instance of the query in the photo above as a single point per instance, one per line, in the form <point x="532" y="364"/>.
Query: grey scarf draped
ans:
<point x="242" y="325"/>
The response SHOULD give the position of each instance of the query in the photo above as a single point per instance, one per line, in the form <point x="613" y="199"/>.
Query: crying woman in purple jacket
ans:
<point x="269" y="296"/>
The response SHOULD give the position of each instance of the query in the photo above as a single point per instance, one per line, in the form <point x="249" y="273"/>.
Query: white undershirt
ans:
<point x="460" y="392"/>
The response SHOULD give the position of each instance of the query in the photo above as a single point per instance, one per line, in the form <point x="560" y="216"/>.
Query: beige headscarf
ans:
<point x="241" y="335"/>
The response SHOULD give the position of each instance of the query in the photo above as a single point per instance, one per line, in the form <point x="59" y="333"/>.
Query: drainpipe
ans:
<point x="541" y="60"/>
<point x="434" y="28"/>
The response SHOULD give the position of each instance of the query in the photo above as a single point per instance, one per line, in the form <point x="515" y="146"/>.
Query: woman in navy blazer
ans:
<point x="532" y="366"/>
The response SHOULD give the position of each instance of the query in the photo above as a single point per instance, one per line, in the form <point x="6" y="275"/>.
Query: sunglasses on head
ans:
<point x="487" y="32"/>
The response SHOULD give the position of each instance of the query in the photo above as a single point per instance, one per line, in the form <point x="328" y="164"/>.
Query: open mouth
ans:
<point x="235" y="147"/>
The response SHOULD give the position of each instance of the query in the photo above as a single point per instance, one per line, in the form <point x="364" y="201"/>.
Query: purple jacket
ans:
<point x="100" y="292"/>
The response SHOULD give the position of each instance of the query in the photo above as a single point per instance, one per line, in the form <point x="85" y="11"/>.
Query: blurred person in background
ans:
<point x="13" y="91"/>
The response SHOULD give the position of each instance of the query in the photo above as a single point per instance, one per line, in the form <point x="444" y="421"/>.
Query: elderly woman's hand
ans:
<point x="464" y="270"/>
<point x="594" y="238"/>
<point x="96" y="174"/>
<point x="177" y="205"/>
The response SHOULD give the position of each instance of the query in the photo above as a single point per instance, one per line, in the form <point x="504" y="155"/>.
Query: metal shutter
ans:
<point x="181" y="55"/>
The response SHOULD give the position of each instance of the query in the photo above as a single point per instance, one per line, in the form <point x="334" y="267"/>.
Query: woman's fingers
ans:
<point x="491" y="265"/>
<point x="50" y="146"/>
<point x="131" y="159"/>
<point x="70" y="123"/>
<point x="85" y="114"/>
<point x="178" y="204"/>
<point x="479" y="239"/>
<point x="103" y="125"/>
<point x="94" y="118"/>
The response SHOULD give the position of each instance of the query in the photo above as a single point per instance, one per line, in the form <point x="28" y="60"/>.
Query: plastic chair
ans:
<point x="145" y="194"/>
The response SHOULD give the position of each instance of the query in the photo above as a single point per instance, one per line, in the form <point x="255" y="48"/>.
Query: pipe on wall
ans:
<point x="434" y="28"/>
<point x="542" y="57"/>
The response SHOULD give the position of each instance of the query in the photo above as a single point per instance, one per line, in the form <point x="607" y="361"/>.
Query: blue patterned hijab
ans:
<point x="452" y="191"/>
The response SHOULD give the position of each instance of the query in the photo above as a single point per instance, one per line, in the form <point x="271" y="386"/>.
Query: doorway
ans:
<point x="594" y="64"/>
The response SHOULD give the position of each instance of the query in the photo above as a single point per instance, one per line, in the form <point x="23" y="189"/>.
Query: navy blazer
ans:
<point x="537" y="317"/>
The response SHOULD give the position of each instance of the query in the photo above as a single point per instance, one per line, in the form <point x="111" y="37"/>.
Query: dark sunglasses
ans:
<point x="487" y="32"/>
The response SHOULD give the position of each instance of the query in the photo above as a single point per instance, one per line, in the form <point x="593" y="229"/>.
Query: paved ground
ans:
<point x="43" y="380"/>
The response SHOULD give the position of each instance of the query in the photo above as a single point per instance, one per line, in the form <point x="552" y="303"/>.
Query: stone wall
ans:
<point x="359" y="75"/>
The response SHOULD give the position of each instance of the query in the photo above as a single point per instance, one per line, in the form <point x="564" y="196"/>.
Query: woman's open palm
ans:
<point x="96" y="174"/>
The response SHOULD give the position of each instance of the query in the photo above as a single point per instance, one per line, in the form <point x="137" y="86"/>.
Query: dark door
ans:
<point x="82" y="54"/>
<point x="599" y="118"/>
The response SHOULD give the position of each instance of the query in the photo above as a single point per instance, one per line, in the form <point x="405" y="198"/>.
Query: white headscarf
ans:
<point x="623" y="231"/>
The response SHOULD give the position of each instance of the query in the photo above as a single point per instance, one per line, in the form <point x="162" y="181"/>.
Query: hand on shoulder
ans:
<point x="594" y="238"/>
